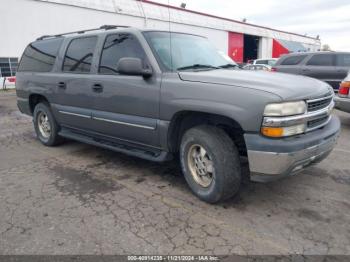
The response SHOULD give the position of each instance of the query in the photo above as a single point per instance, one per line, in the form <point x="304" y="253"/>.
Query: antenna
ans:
<point x="170" y="41"/>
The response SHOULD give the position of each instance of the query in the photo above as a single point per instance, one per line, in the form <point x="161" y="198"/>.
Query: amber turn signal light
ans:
<point x="272" y="131"/>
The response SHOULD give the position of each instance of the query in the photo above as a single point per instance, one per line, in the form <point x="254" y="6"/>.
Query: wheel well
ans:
<point x="35" y="99"/>
<point x="185" y="120"/>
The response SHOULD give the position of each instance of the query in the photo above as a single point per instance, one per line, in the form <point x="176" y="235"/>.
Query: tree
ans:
<point x="326" y="47"/>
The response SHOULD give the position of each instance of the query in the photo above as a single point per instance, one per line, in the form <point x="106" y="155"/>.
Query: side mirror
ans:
<point x="132" y="66"/>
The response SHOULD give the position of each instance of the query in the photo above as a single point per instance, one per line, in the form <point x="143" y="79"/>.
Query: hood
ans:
<point x="287" y="86"/>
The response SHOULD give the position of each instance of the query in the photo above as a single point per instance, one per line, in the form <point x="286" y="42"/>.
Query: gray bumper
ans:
<point x="342" y="104"/>
<point x="270" y="159"/>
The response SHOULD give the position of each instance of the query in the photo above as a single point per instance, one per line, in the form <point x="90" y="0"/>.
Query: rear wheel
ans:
<point x="45" y="125"/>
<point x="210" y="163"/>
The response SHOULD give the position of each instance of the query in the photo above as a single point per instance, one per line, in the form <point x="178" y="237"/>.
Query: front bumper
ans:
<point x="270" y="159"/>
<point x="342" y="103"/>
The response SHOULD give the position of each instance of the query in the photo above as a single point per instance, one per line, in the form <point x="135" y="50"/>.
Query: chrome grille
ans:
<point x="319" y="103"/>
<point x="314" y="105"/>
<point x="317" y="122"/>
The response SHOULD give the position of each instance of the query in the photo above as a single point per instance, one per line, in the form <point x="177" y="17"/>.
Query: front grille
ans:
<point x="317" y="104"/>
<point x="317" y="122"/>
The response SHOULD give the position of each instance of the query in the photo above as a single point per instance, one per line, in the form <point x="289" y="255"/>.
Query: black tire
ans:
<point x="223" y="155"/>
<point x="53" y="139"/>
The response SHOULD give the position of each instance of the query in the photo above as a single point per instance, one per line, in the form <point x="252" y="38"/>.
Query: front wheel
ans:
<point x="45" y="125"/>
<point x="210" y="163"/>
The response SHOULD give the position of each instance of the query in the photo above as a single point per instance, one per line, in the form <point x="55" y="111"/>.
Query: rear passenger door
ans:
<point x="127" y="106"/>
<point x="74" y="93"/>
<point x="322" y="67"/>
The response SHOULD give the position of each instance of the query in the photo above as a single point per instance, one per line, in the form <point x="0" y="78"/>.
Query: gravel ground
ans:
<point x="79" y="199"/>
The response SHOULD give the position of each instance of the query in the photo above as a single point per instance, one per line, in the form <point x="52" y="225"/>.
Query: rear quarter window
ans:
<point x="343" y="60"/>
<point x="40" y="56"/>
<point x="293" y="60"/>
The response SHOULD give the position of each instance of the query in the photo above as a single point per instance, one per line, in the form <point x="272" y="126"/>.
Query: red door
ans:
<point x="235" y="46"/>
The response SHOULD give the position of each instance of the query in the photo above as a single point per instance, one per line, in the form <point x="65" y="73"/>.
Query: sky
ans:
<point x="330" y="19"/>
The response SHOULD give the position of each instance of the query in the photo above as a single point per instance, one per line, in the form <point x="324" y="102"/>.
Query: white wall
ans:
<point x="265" y="47"/>
<point x="156" y="12"/>
<point x="25" y="20"/>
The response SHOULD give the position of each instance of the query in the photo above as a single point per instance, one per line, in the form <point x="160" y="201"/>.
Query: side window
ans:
<point x="116" y="47"/>
<point x="261" y="62"/>
<point x="79" y="55"/>
<point x="293" y="60"/>
<point x="40" y="56"/>
<point x="321" y="60"/>
<point x="343" y="60"/>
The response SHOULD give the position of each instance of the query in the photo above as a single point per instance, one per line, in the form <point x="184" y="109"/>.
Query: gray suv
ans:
<point x="331" y="67"/>
<point x="156" y="95"/>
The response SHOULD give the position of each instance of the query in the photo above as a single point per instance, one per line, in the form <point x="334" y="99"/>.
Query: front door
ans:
<point x="126" y="107"/>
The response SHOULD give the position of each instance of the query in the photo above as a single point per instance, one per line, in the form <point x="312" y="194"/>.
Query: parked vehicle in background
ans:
<point x="156" y="94"/>
<point x="342" y="100"/>
<point x="267" y="61"/>
<point x="7" y="82"/>
<point x="257" y="67"/>
<point x="331" y="67"/>
<point x="241" y="65"/>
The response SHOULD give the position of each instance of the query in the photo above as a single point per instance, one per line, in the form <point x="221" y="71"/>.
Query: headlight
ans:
<point x="277" y="117"/>
<point x="285" y="109"/>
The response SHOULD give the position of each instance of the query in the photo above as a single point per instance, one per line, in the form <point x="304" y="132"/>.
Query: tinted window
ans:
<point x="343" y="60"/>
<point x="40" y="56"/>
<point x="321" y="60"/>
<point x="79" y="55"/>
<point x="293" y="60"/>
<point x="261" y="62"/>
<point x="116" y="47"/>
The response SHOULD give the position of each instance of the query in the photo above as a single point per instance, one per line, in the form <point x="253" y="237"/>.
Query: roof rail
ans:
<point x="103" y="27"/>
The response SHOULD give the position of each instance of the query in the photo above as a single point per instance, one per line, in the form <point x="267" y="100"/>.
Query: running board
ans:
<point x="155" y="155"/>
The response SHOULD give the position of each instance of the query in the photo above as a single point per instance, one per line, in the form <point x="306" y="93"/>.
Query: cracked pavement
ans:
<point x="79" y="199"/>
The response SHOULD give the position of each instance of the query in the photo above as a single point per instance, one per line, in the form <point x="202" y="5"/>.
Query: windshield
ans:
<point x="176" y="51"/>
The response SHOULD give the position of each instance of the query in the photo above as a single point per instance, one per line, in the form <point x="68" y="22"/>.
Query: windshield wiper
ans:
<point x="228" y="66"/>
<point x="197" y="66"/>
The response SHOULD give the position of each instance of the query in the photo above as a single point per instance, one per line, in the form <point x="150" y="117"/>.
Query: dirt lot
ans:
<point x="79" y="199"/>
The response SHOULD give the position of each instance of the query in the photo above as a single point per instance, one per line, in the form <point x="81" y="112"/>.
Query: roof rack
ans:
<point x="103" y="27"/>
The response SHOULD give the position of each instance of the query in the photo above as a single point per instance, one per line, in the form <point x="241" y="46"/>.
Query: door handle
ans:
<point x="98" y="88"/>
<point x="306" y="70"/>
<point x="62" y="85"/>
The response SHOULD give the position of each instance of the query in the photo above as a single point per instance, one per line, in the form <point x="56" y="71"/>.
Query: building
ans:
<point x="25" y="20"/>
